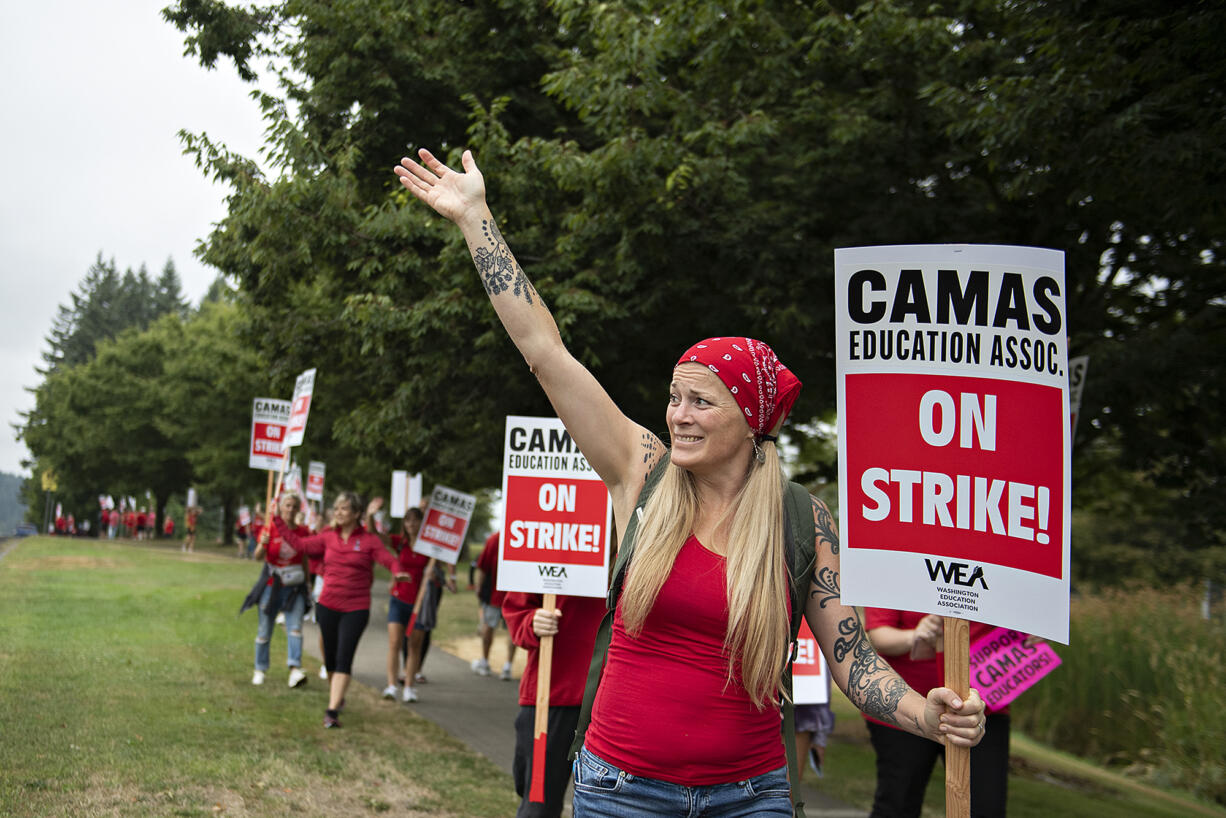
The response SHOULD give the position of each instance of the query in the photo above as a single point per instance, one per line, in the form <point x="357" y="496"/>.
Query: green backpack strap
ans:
<point x="801" y="556"/>
<point x="604" y="634"/>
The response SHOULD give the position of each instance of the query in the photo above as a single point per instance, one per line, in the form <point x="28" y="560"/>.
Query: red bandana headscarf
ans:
<point x="763" y="387"/>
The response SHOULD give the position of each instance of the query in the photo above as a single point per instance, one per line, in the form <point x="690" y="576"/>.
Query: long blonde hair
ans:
<point x="757" y="584"/>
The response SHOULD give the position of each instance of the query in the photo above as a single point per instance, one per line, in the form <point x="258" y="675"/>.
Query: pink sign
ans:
<point x="1003" y="666"/>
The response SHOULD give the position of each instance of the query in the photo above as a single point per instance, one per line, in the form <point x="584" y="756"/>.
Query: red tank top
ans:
<point x="665" y="708"/>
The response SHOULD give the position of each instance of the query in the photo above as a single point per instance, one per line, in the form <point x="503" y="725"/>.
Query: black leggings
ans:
<point x="341" y="631"/>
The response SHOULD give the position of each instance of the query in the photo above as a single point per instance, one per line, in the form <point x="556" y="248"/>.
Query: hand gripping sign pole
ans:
<point x="555" y="540"/>
<point x="953" y="406"/>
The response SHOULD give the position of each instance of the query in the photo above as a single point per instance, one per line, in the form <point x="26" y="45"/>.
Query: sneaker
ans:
<point x="257" y="678"/>
<point x="506" y="672"/>
<point x="281" y="618"/>
<point x="323" y="673"/>
<point x="296" y="677"/>
<point x="419" y="678"/>
<point x="410" y="695"/>
<point x="330" y="720"/>
<point x="389" y="692"/>
<point x="815" y="763"/>
<point x="481" y="667"/>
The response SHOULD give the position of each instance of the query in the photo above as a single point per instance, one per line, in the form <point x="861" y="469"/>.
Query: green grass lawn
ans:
<point x="120" y="697"/>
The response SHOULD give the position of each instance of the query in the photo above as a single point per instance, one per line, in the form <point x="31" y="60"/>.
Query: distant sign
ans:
<point x="1003" y="666"/>
<point x="315" y="481"/>
<point x="556" y="514"/>
<point x="406" y="492"/>
<point x="1076" y="383"/>
<point x="445" y="524"/>
<point x="300" y="407"/>
<point x="269" y="417"/>
<point x="293" y="480"/>
<point x="810" y="676"/>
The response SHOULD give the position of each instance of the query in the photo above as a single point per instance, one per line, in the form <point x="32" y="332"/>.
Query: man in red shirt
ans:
<point x="491" y="609"/>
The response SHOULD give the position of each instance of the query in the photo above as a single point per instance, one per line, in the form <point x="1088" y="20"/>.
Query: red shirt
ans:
<point x="572" y="647"/>
<point x="409" y="563"/>
<point x="922" y="674"/>
<point x="348" y="563"/>
<point x="273" y="552"/>
<point x="487" y="564"/>
<point x="666" y="708"/>
<point x="168" y="526"/>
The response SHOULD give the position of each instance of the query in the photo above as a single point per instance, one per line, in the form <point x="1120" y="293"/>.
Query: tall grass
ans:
<point x="1143" y="687"/>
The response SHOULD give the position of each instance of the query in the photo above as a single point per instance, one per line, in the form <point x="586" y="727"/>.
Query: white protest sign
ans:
<point x="191" y="499"/>
<point x="315" y="481"/>
<point x="293" y="480"/>
<point x="953" y="432"/>
<point x="810" y="676"/>
<point x="406" y="492"/>
<point x="244" y="516"/>
<point x="300" y="407"/>
<point x="557" y="514"/>
<point x="269" y="417"/>
<point x="446" y="522"/>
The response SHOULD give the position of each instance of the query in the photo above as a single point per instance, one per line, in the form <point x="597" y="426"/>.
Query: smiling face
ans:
<point x="288" y="507"/>
<point x="343" y="514"/>
<point x="707" y="428"/>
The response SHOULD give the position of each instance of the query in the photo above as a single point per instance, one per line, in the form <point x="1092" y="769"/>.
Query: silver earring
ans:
<point x="758" y="454"/>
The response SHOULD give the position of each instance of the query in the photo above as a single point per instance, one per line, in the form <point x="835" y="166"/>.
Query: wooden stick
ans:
<point x="284" y="467"/>
<point x="267" y="501"/>
<point x="544" y="670"/>
<point x="957" y="678"/>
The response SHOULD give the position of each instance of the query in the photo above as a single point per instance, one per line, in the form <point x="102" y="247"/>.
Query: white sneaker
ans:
<point x="296" y="676"/>
<point x="481" y="667"/>
<point x="257" y="678"/>
<point x="323" y="673"/>
<point x="389" y="692"/>
<point x="281" y="618"/>
<point x="506" y="672"/>
<point x="410" y="695"/>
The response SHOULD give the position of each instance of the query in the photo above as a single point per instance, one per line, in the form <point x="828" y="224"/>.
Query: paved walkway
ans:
<point x="480" y="711"/>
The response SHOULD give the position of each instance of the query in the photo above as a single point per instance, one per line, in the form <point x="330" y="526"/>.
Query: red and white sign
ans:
<point x="269" y="417"/>
<point x="953" y="432"/>
<point x="293" y="480"/>
<point x="244" y="516"/>
<point x="557" y="515"/>
<point x="300" y="407"/>
<point x="1003" y="666"/>
<point x="810" y="676"/>
<point x="315" y="481"/>
<point x="445" y="524"/>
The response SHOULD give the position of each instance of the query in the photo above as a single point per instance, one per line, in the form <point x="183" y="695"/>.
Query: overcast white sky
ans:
<point x="93" y="95"/>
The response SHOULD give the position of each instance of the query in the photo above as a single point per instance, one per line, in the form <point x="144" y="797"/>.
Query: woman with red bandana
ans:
<point x="701" y="631"/>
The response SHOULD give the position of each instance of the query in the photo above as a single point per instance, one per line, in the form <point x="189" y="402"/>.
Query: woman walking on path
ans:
<point x="349" y="553"/>
<point x="400" y="605"/>
<point x="284" y="591"/>
<point x="700" y="636"/>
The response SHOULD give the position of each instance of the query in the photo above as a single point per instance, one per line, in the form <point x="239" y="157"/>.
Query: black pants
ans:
<point x="341" y="631"/>
<point x="562" y="724"/>
<point x="905" y="762"/>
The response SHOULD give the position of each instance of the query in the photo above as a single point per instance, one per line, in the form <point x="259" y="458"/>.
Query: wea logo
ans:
<point x="556" y="571"/>
<point x="957" y="573"/>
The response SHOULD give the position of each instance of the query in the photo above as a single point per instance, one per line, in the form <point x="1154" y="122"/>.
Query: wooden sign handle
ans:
<point x="957" y="678"/>
<point x="544" y="669"/>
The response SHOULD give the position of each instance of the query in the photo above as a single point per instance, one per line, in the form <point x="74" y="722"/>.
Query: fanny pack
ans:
<point x="291" y="574"/>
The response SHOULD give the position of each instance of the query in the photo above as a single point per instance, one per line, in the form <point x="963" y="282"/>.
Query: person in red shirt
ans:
<point x="129" y="523"/>
<point x="688" y="704"/>
<point x="285" y="590"/>
<point x="491" y="609"/>
<point x="142" y="524"/>
<point x="403" y="599"/>
<point x="168" y="526"/>
<point x="910" y="640"/>
<point x="573" y="625"/>
<point x="349" y="552"/>
<point x="190" y="516"/>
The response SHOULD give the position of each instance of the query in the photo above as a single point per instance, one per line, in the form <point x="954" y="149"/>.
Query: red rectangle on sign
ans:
<point x="966" y="468"/>
<point x="443" y="530"/>
<point x="555" y="520"/>
<point x="266" y="439"/>
<point x="808" y="660"/>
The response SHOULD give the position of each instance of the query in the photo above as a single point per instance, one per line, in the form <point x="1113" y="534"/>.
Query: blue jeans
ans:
<point x="293" y="603"/>
<point x="603" y="791"/>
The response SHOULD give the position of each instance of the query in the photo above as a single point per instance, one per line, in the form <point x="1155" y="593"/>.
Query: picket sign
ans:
<point x="810" y="674"/>
<point x="446" y="522"/>
<point x="315" y="481"/>
<point x="954" y="471"/>
<point x="405" y="494"/>
<point x="295" y="427"/>
<point x="269" y="417"/>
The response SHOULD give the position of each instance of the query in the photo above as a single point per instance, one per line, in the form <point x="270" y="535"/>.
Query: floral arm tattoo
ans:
<point x="872" y="685"/>
<point x="498" y="268"/>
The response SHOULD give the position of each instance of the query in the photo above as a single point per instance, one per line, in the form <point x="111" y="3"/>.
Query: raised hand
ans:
<point x="452" y="194"/>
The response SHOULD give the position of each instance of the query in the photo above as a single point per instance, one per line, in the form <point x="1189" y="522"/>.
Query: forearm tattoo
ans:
<point x="872" y="685"/>
<point x="825" y="586"/>
<point x="498" y="269"/>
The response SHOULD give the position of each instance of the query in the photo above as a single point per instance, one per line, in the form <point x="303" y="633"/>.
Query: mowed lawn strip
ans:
<point x="125" y="680"/>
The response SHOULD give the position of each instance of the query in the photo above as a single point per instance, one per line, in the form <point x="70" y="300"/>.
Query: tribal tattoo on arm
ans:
<point x="872" y="685"/>
<point x="823" y="520"/>
<point x="498" y="268"/>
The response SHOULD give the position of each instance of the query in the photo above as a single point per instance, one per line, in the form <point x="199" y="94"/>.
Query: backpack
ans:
<point x="801" y="558"/>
